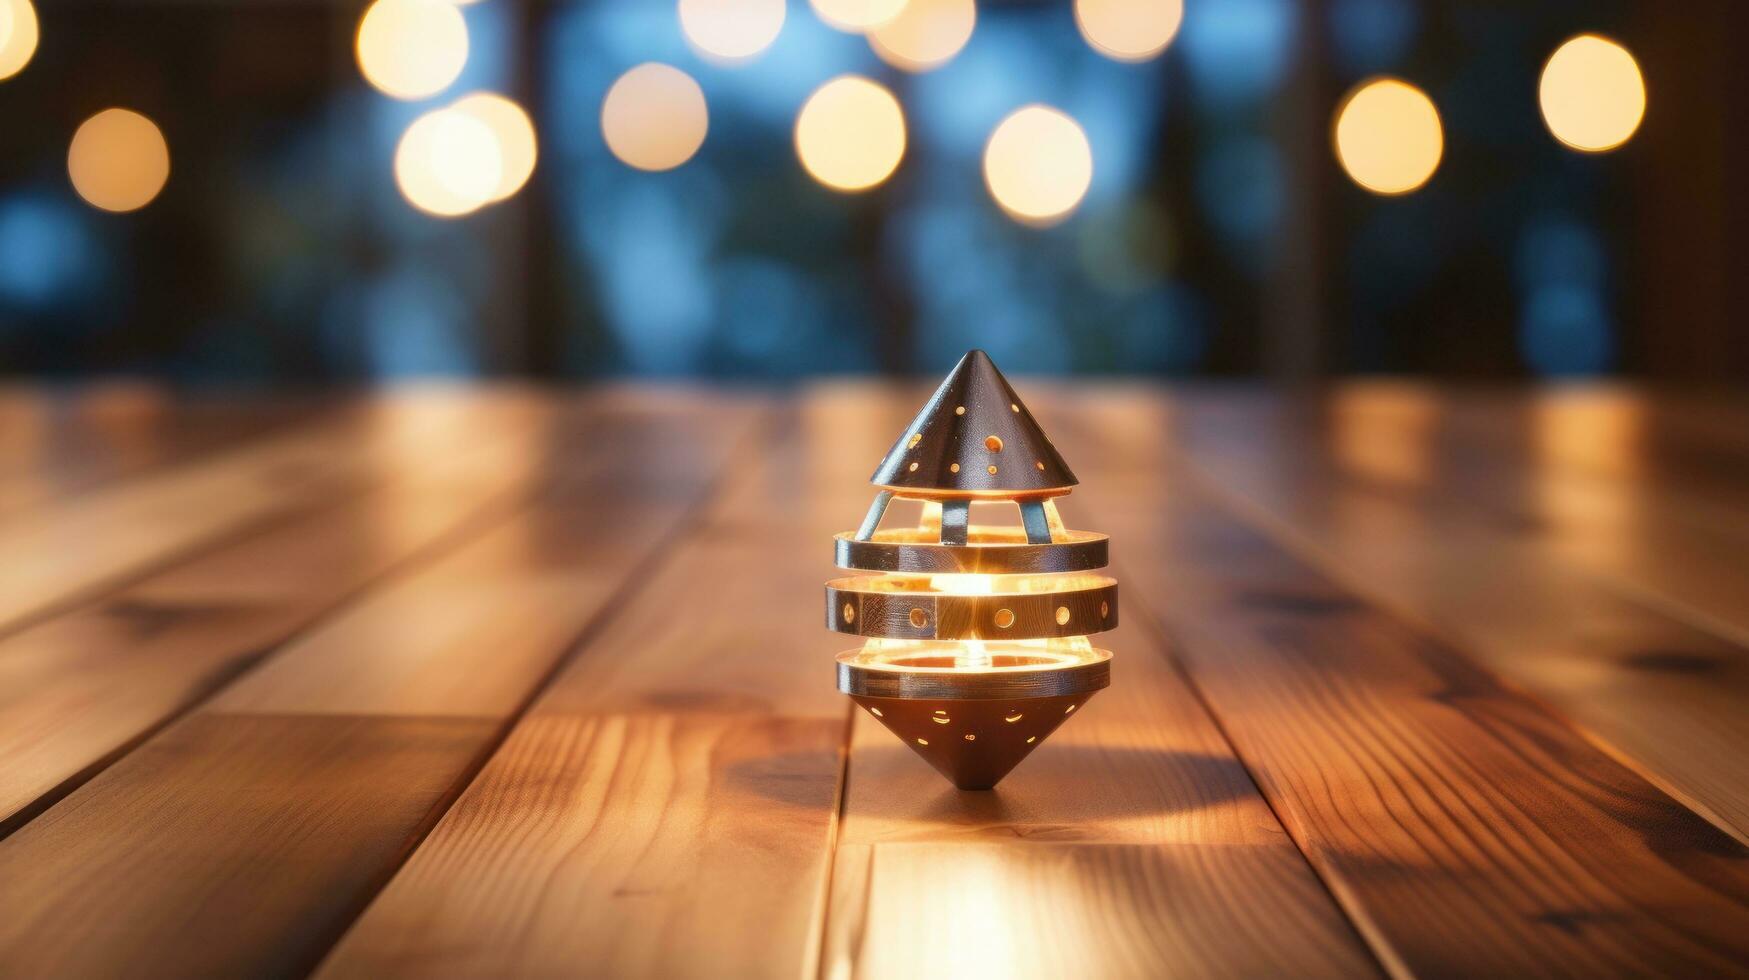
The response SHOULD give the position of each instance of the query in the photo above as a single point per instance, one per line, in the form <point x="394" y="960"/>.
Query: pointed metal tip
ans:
<point x="973" y="743"/>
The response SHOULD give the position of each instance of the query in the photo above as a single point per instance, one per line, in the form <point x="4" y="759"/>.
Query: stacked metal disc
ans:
<point x="976" y="635"/>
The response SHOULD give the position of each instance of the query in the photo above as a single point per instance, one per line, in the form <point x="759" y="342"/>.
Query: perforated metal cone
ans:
<point x="973" y="743"/>
<point x="974" y="436"/>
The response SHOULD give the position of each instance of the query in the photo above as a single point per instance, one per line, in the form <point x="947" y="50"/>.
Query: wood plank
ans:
<point x="441" y="704"/>
<point x="228" y="846"/>
<point x="682" y="843"/>
<point x="1086" y="858"/>
<point x="1652" y="688"/>
<point x="1692" y="450"/>
<point x="981" y="909"/>
<point x="57" y="442"/>
<point x="53" y="558"/>
<point x="666" y="807"/>
<point x="1464" y="829"/>
<point x="474" y="633"/>
<point x="1577" y="470"/>
<point x="78" y="689"/>
<point x="578" y="835"/>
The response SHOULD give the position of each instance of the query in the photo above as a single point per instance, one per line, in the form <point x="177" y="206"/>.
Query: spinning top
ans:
<point x="976" y="634"/>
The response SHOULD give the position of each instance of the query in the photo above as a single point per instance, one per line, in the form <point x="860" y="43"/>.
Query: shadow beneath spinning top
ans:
<point x="1062" y="792"/>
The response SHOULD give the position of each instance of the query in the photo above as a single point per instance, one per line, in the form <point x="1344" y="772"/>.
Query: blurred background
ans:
<point x="295" y="192"/>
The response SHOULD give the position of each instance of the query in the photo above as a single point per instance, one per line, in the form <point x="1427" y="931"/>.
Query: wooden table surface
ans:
<point x="510" y="681"/>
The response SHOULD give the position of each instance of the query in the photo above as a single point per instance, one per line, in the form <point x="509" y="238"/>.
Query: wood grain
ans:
<point x="1661" y="693"/>
<point x="1463" y="828"/>
<point x="1573" y="471"/>
<point x="666" y="808"/>
<point x="473" y="633"/>
<point x="1086" y="909"/>
<point x="648" y="844"/>
<point x="52" y="558"/>
<point x="446" y="690"/>
<point x="57" y="443"/>
<point x="228" y="846"/>
<point x="78" y="688"/>
<point x="547" y="572"/>
<point x="1689" y="446"/>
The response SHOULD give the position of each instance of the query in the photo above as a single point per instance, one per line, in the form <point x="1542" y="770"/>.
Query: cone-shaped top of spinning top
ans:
<point x="974" y="436"/>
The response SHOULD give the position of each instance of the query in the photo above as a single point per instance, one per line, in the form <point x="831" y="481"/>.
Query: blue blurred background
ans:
<point x="1219" y="235"/>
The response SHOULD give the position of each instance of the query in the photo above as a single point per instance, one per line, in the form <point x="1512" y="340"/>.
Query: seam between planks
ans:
<point x="823" y="918"/>
<point x="786" y="421"/>
<point x="304" y="415"/>
<point x="1165" y="646"/>
<point x="201" y="546"/>
<point x="502" y="507"/>
<point x="1258" y="518"/>
<point x="630" y="584"/>
<point x="1255" y="518"/>
<point x="1657" y="601"/>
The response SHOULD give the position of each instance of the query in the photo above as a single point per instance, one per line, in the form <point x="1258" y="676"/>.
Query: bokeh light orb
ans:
<point x="514" y="132"/>
<point x="118" y="160"/>
<point x="926" y="34"/>
<point x="1038" y="165"/>
<point x="411" y="49"/>
<point x="1129" y="30"/>
<point x="1592" y="94"/>
<point x="18" y="36"/>
<point x="850" y="134"/>
<point x="448" y="163"/>
<point x="730" y="31"/>
<point x="857" y="16"/>
<point x="654" y="117"/>
<point x="1388" y="136"/>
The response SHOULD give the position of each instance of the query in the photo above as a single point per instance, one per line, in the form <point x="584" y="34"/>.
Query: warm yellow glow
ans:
<point x="731" y="30"/>
<point x="1038" y="165"/>
<point x="18" y="36"/>
<point x="850" y="133"/>
<point x="654" y="117"/>
<point x="966" y="583"/>
<point x="1592" y="94"/>
<point x="448" y="163"/>
<point x="993" y="656"/>
<point x="514" y="132"/>
<point x="118" y="160"/>
<point x="1129" y="30"/>
<point x="1069" y="649"/>
<point x="926" y="34"/>
<point x="857" y="16"/>
<point x="1388" y="136"/>
<point x="960" y="582"/>
<point x="411" y="49"/>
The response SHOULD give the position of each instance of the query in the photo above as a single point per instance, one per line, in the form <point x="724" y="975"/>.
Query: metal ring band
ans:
<point x="1012" y="684"/>
<point x="1084" y="550"/>
<point x="940" y="616"/>
<point x="985" y="496"/>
